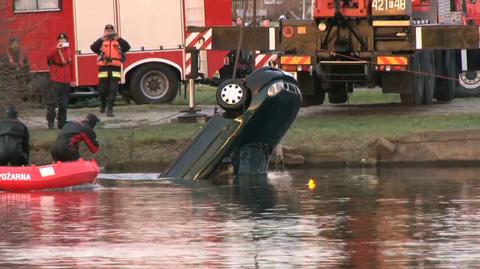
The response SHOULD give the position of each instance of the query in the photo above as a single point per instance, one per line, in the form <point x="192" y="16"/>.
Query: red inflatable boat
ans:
<point x="57" y="175"/>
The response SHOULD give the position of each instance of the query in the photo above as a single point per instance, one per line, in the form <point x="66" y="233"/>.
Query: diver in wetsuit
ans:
<point x="66" y="147"/>
<point x="14" y="140"/>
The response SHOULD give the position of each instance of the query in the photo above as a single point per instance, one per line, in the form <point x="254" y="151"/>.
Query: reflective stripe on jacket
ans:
<point x="104" y="74"/>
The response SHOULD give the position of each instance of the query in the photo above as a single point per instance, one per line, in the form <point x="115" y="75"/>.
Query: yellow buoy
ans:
<point x="311" y="184"/>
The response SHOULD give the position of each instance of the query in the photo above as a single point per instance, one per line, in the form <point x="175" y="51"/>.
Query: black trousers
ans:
<point x="57" y="96"/>
<point x="107" y="90"/>
<point x="65" y="153"/>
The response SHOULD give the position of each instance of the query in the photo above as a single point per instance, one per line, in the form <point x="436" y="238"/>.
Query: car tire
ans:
<point x="233" y="95"/>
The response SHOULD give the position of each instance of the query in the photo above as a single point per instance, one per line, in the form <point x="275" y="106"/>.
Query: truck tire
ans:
<point x="445" y="90"/>
<point x="232" y="95"/>
<point x="472" y="79"/>
<point x="311" y="88"/>
<point x="469" y="81"/>
<point x="338" y="93"/>
<point x="428" y="67"/>
<point x="154" y="84"/>
<point x="418" y="83"/>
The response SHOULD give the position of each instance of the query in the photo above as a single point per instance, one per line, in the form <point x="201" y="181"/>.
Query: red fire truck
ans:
<point x="414" y="48"/>
<point x="155" y="30"/>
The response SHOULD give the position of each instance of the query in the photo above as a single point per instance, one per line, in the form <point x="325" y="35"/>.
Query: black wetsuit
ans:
<point x="14" y="143"/>
<point x="66" y="146"/>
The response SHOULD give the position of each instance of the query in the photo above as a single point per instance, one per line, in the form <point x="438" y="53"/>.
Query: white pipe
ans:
<point x="191" y="94"/>
<point x="464" y="60"/>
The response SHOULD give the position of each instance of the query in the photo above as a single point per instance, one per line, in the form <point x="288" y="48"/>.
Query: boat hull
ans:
<point x="57" y="175"/>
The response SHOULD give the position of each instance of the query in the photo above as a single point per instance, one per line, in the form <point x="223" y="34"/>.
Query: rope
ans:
<point x="240" y="39"/>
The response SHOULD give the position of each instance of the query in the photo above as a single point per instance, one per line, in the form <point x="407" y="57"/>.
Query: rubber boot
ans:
<point x="51" y="114"/>
<point x="102" y="106"/>
<point x="110" y="110"/>
<point x="51" y="123"/>
<point x="61" y="117"/>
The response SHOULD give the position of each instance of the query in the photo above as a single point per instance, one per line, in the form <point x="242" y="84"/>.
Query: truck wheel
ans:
<point x="428" y="67"/>
<point x="445" y="90"/>
<point x="154" y="84"/>
<point x="469" y="84"/>
<point x="338" y="93"/>
<point x="311" y="88"/>
<point x="418" y="83"/>
<point x="232" y="95"/>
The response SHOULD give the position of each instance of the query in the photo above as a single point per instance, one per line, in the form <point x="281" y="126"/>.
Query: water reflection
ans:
<point x="352" y="219"/>
<point x="255" y="192"/>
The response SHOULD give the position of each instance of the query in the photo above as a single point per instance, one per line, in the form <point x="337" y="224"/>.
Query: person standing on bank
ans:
<point x="61" y="77"/>
<point x="111" y="50"/>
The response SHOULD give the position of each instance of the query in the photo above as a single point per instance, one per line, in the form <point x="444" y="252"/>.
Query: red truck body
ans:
<point x="156" y="30"/>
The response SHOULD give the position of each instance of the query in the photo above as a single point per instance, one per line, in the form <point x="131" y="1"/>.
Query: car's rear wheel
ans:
<point x="232" y="95"/>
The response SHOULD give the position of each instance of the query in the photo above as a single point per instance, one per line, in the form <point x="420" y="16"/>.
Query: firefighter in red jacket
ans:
<point x="66" y="146"/>
<point x="61" y="77"/>
<point x="111" y="50"/>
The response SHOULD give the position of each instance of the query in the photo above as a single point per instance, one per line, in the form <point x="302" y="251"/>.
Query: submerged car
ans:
<point x="258" y="111"/>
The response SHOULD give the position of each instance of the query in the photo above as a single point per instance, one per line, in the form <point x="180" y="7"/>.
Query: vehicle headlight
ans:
<point x="275" y="89"/>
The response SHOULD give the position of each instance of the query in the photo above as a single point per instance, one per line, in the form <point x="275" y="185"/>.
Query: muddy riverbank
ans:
<point x="441" y="148"/>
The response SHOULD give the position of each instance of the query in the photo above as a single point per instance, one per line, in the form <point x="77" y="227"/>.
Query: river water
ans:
<point x="390" y="218"/>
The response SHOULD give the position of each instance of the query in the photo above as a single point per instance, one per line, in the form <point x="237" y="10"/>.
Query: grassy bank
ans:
<point x="372" y="96"/>
<point x="333" y="136"/>
<point x="314" y="132"/>
<point x="350" y="139"/>
<point x="205" y="95"/>
<point x="148" y="144"/>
